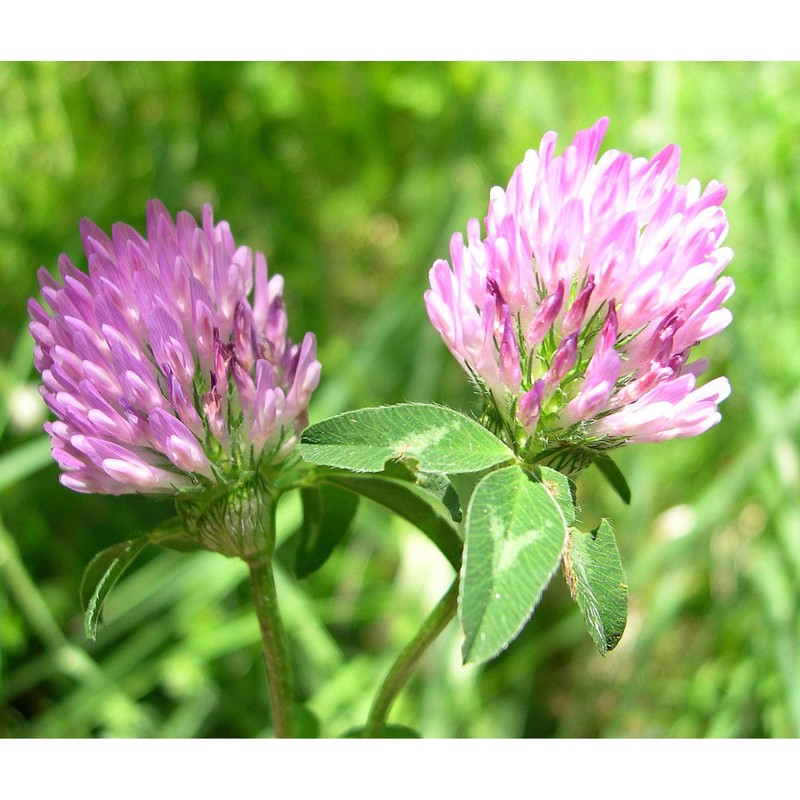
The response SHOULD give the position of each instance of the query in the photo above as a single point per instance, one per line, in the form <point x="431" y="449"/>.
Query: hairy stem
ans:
<point x="405" y="663"/>
<point x="274" y="645"/>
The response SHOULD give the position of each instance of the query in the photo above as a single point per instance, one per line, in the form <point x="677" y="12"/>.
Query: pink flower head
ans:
<point x="168" y="366"/>
<point x="599" y="276"/>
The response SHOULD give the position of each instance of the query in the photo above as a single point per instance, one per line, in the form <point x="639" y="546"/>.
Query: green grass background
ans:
<point x="351" y="178"/>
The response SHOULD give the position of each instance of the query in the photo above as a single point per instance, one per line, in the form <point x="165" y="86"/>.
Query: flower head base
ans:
<point x="168" y="366"/>
<point x="576" y="314"/>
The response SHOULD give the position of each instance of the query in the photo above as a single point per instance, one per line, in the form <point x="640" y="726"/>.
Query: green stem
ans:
<point x="405" y="663"/>
<point x="274" y="645"/>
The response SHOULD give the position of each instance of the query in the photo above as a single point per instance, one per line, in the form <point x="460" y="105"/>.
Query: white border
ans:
<point x="397" y="769"/>
<point x="410" y="29"/>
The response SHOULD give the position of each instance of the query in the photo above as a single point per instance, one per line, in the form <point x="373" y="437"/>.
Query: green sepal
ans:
<point x="100" y="576"/>
<point x="613" y="474"/>
<point x="515" y="534"/>
<point x="107" y="567"/>
<point x="431" y="438"/>
<point x="594" y="574"/>
<point x="328" y="513"/>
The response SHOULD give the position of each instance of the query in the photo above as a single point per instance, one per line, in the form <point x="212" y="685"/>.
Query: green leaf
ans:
<point x="99" y="577"/>
<point x="515" y="534"/>
<point x="442" y="489"/>
<point x="410" y="502"/>
<point x="560" y="489"/>
<point x="107" y="567"/>
<point x="391" y="731"/>
<point x="464" y="486"/>
<point x="328" y="512"/>
<point x="613" y="474"/>
<point x="593" y="569"/>
<point x="436" y="484"/>
<point x="434" y="438"/>
<point x="440" y="486"/>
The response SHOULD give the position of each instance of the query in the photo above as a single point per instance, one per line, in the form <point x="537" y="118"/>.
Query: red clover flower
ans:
<point x="577" y="313"/>
<point x="168" y="367"/>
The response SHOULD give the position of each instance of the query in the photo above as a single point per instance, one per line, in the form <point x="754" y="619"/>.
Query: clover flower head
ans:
<point x="167" y="366"/>
<point x="577" y="312"/>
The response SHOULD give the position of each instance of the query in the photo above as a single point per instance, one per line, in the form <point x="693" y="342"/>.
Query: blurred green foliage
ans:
<point x="352" y="177"/>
